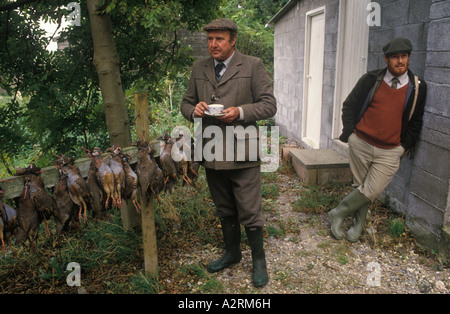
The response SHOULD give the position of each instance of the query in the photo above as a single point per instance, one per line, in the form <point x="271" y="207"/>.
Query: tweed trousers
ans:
<point x="237" y="193"/>
<point x="373" y="168"/>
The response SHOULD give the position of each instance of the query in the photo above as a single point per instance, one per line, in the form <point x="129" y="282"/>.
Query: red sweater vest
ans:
<point x="381" y="124"/>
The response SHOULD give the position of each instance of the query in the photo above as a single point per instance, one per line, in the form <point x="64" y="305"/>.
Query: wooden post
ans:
<point x="141" y="115"/>
<point x="149" y="237"/>
<point x="130" y="217"/>
<point x="147" y="211"/>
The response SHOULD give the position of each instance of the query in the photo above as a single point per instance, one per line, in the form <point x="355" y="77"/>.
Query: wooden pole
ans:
<point x="141" y="115"/>
<point x="149" y="237"/>
<point x="130" y="217"/>
<point x="147" y="211"/>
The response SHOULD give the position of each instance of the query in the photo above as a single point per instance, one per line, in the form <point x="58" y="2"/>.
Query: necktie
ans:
<point x="218" y="69"/>
<point x="395" y="82"/>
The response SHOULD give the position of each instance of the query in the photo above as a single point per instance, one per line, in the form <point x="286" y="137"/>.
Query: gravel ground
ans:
<point x="306" y="259"/>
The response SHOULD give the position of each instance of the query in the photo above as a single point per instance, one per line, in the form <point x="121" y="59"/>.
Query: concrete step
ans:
<point x="321" y="166"/>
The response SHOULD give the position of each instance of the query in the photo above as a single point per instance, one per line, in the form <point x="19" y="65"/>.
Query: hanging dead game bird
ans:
<point x="2" y="220"/>
<point x="33" y="206"/>
<point x="131" y="182"/>
<point x="8" y="221"/>
<point x="116" y="166"/>
<point x="78" y="188"/>
<point x="103" y="175"/>
<point x="167" y="163"/>
<point x="150" y="176"/>
<point x="66" y="207"/>
<point x="181" y="159"/>
<point x="34" y="188"/>
<point x="193" y="166"/>
<point x="2" y="230"/>
<point x="28" y="219"/>
<point x="97" y="193"/>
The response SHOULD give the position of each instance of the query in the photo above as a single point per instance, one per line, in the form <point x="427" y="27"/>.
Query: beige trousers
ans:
<point x="372" y="167"/>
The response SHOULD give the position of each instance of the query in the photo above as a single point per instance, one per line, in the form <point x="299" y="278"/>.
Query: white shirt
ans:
<point x="404" y="79"/>
<point x="226" y="63"/>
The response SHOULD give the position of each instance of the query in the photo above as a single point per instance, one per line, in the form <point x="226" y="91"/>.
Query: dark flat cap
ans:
<point x="397" y="45"/>
<point x="221" y="25"/>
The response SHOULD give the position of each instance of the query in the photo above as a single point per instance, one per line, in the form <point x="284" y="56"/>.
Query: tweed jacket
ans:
<point x="244" y="84"/>
<point x="362" y="95"/>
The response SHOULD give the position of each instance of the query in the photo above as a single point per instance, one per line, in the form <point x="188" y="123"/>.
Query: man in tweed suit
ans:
<point x="241" y="84"/>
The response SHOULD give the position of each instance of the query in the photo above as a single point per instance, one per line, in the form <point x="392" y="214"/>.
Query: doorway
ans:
<point x="313" y="79"/>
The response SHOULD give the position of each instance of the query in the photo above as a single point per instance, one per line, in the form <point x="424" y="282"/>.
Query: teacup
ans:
<point x="215" y="109"/>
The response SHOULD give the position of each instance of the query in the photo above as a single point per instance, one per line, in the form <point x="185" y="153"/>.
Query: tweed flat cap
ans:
<point x="221" y="25"/>
<point x="397" y="45"/>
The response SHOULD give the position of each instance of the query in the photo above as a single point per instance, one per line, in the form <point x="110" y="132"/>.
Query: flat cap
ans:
<point x="221" y="25"/>
<point x="397" y="45"/>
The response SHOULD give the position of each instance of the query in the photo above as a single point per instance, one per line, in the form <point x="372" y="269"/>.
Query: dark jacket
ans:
<point x="362" y="95"/>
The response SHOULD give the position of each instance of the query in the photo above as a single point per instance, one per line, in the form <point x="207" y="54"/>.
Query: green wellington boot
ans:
<point x="350" y="204"/>
<point x="359" y="221"/>
<point x="256" y="241"/>
<point x="232" y="238"/>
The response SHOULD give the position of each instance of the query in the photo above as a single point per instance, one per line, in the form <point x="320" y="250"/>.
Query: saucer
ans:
<point x="214" y="115"/>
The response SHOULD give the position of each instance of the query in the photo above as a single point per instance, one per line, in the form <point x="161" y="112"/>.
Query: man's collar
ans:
<point x="402" y="78"/>
<point x="227" y="61"/>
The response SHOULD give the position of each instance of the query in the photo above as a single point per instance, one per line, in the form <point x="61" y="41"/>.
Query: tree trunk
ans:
<point x="107" y="63"/>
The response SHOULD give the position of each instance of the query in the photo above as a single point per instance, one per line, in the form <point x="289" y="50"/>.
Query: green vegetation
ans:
<point x="397" y="227"/>
<point x="319" y="199"/>
<point x="111" y="257"/>
<point x="51" y="100"/>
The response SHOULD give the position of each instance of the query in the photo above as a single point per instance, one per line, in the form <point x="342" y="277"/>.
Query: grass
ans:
<point x="144" y="285"/>
<point x="342" y="253"/>
<point x="201" y="279"/>
<point x="397" y="227"/>
<point x="275" y="232"/>
<point x="270" y="191"/>
<point x="319" y="199"/>
<point x="101" y="247"/>
<point x="111" y="257"/>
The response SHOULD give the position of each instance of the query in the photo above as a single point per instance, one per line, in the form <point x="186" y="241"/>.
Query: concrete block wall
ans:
<point x="401" y="18"/>
<point x="428" y="202"/>
<point x="289" y="64"/>
<point x="420" y="190"/>
<point x="409" y="19"/>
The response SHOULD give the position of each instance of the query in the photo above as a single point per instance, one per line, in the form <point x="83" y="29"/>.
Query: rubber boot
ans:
<point x="255" y="239"/>
<point x="359" y="221"/>
<point x="350" y="204"/>
<point x="232" y="238"/>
